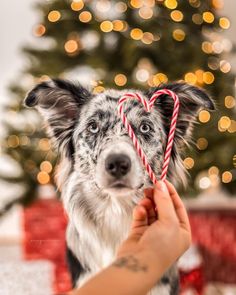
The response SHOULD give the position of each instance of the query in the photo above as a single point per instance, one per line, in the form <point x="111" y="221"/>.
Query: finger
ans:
<point x="164" y="203"/>
<point x="178" y="205"/>
<point x="150" y="207"/>
<point x="139" y="217"/>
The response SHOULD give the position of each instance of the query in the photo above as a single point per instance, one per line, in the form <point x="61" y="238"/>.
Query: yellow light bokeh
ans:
<point x="224" y="122"/>
<point x="177" y="15"/>
<point x="199" y="75"/>
<point x="208" y="17"/>
<point x="136" y="34"/>
<point x="85" y="16"/>
<point x="159" y="78"/>
<point x="202" y="143"/>
<point x="54" y="16"/>
<point x="118" y="25"/>
<point x="190" y="78"/>
<point x="218" y="4"/>
<point x="46" y="166"/>
<point x="43" y="177"/>
<point x="213" y="170"/>
<point x="208" y="77"/>
<point x="229" y="102"/>
<point x="224" y="23"/>
<point x="207" y="47"/>
<point x="71" y="46"/>
<point x="227" y="177"/>
<point x="106" y="26"/>
<point x="178" y="35"/>
<point x="204" y="116"/>
<point x="120" y="79"/>
<point x="188" y="163"/>
<point x="171" y="4"/>
<point x="77" y="5"/>
<point x="39" y="30"/>
<point x="98" y="89"/>
<point x="232" y="127"/>
<point x="136" y="3"/>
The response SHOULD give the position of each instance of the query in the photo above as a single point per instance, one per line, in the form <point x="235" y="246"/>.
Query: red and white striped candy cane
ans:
<point x="148" y="106"/>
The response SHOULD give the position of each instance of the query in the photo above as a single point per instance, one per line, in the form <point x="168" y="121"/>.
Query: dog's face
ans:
<point x="89" y="132"/>
<point x="104" y="150"/>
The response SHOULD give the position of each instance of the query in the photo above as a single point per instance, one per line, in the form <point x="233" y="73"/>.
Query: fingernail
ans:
<point x="162" y="186"/>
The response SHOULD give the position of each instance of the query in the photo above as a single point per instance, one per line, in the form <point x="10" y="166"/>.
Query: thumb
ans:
<point x="164" y="203"/>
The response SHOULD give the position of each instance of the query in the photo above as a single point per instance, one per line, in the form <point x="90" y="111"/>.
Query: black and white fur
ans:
<point x="89" y="135"/>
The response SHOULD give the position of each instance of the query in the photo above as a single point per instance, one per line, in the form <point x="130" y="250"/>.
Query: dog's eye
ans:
<point x="144" y="128"/>
<point x="93" y="127"/>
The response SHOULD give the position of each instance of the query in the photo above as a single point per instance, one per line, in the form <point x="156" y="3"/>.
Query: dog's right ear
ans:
<point x="59" y="102"/>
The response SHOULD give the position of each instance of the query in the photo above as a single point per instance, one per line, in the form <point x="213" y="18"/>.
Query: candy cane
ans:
<point x="148" y="105"/>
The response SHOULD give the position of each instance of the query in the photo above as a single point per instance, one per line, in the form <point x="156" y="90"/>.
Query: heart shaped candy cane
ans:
<point x="148" y="105"/>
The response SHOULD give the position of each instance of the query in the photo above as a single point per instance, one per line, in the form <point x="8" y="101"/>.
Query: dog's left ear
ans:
<point x="192" y="100"/>
<point x="59" y="102"/>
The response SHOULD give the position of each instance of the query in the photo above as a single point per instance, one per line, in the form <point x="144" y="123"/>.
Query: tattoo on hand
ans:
<point x="131" y="263"/>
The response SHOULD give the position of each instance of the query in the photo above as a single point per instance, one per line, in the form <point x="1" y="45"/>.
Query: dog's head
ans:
<point x="88" y="131"/>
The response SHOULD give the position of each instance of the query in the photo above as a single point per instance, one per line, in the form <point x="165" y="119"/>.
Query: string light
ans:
<point x="142" y="75"/>
<point x="224" y="123"/>
<point x="145" y="12"/>
<point x="204" y="116"/>
<point x="13" y="141"/>
<point x="24" y="140"/>
<point x="178" y="35"/>
<point x="207" y="47"/>
<point x="98" y="89"/>
<point x="159" y="78"/>
<point x="77" y="5"/>
<point x="71" y="46"/>
<point x="121" y="7"/>
<point x="229" y="102"/>
<point x="120" y="79"/>
<point x="118" y="25"/>
<point x="177" y="15"/>
<point x="202" y="143"/>
<point x="44" y="144"/>
<point x="225" y="66"/>
<point x="147" y="38"/>
<point x="213" y="170"/>
<point x="43" y="177"/>
<point x="234" y="161"/>
<point x="208" y="77"/>
<point x="197" y="18"/>
<point x="208" y="17"/>
<point x="39" y="30"/>
<point x="232" y="127"/>
<point x="136" y="3"/>
<point x="54" y="16"/>
<point x="171" y="4"/>
<point x="106" y="26"/>
<point x="188" y="163"/>
<point x="190" y="78"/>
<point x="218" y="4"/>
<point x="204" y="182"/>
<point x="46" y="166"/>
<point x="224" y="23"/>
<point x="85" y="16"/>
<point x="136" y="34"/>
<point x="227" y="177"/>
<point x="199" y="75"/>
<point x="195" y="3"/>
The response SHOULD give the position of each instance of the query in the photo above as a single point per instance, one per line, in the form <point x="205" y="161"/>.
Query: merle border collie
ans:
<point x="101" y="175"/>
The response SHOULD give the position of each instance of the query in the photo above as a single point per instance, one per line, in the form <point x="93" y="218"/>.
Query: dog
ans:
<point x="102" y="177"/>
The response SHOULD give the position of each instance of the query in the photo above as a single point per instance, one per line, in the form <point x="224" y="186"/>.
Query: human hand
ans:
<point x="160" y="227"/>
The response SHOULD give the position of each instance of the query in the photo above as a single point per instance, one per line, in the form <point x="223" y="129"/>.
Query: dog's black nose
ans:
<point x="117" y="165"/>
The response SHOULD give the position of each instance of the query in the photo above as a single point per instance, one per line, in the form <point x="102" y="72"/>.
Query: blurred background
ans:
<point x="117" y="44"/>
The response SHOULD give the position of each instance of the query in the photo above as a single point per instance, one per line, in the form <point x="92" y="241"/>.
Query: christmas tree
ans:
<point x="124" y="44"/>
